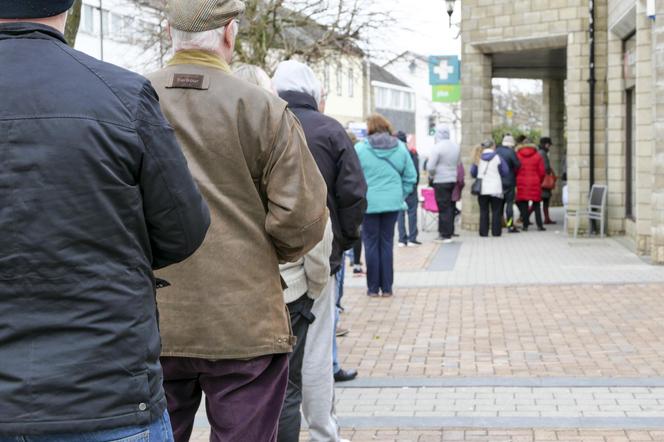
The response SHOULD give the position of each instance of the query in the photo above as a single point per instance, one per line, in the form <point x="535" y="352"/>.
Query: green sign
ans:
<point x="447" y="93"/>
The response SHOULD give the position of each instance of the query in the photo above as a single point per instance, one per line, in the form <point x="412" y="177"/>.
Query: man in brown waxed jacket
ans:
<point x="225" y="327"/>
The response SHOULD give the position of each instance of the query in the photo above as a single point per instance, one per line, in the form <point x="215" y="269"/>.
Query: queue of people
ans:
<point x="516" y="172"/>
<point x="223" y="200"/>
<point x="156" y="210"/>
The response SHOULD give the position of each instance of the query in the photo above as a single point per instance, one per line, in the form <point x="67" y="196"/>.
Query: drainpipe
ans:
<point x="592" y="81"/>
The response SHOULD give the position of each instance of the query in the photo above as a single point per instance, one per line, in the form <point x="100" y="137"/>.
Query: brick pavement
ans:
<point x="571" y="330"/>
<point x="565" y="346"/>
<point x="484" y="435"/>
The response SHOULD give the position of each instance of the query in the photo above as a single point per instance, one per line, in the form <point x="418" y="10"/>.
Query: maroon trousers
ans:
<point x="243" y="399"/>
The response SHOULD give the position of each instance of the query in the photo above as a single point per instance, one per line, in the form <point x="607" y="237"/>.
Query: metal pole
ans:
<point x="101" y="30"/>
<point x="592" y="81"/>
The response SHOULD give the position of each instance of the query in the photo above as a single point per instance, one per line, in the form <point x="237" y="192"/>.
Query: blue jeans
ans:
<point x="378" y="238"/>
<point x="339" y="277"/>
<point x="158" y="431"/>
<point x="411" y="236"/>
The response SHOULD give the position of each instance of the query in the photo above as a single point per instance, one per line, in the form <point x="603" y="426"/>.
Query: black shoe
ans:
<point x="525" y="229"/>
<point x="416" y="242"/>
<point x="513" y="230"/>
<point x="541" y="229"/>
<point x="345" y="375"/>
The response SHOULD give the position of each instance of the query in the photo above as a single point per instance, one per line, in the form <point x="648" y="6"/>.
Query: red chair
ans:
<point x="428" y="209"/>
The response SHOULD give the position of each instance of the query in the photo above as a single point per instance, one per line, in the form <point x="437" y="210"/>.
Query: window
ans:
<point x="87" y="19"/>
<point x="395" y="102"/>
<point x="351" y="83"/>
<point x="630" y="154"/>
<point x="408" y="101"/>
<point x="381" y="97"/>
<point x="105" y="22"/>
<point x="339" y="80"/>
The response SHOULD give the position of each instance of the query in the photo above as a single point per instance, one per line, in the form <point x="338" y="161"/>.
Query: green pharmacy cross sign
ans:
<point x="446" y="93"/>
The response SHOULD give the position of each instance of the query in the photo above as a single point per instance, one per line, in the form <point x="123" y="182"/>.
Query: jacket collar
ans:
<point x="29" y="30"/>
<point x="299" y="100"/>
<point x="200" y="58"/>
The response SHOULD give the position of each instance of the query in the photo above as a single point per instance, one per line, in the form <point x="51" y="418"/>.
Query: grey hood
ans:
<point x="383" y="141"/>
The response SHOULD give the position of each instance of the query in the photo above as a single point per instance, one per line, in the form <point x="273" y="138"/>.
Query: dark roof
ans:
<point x="407" y="55"/>
<point x="382" y="75"/>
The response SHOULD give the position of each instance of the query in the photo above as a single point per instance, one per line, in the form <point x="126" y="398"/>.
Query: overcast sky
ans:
<point x="422" y="27"/>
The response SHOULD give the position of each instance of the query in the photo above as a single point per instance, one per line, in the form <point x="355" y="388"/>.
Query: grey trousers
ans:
<point x="317" y="377"/>
<point x="290" y="419"/>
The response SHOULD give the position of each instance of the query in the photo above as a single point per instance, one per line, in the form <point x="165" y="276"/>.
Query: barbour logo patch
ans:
<point x="189" y="81"/>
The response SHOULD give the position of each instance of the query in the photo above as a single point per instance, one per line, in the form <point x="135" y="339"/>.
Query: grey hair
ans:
<point x="254" y="75"/>
<point x="209" y="41"/>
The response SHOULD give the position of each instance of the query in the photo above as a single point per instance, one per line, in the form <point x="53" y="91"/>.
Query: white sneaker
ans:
<point x="448" y="241"/>
<point x="403" y="244"/>
<point x="344" y="440"/>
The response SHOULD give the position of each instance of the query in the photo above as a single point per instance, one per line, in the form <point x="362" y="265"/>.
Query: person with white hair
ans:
<point x="226" y="329"/>
<point x="335" y="156"/>
<point x="442" y="167"/>
<point x="254" y="75"/>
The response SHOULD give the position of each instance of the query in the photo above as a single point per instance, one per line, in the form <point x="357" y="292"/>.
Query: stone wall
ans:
<point x="657" y="250"/>
<point x="513" y="25"/>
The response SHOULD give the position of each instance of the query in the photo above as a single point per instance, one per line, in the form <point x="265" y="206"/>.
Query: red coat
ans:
<point x="530" y="175"/>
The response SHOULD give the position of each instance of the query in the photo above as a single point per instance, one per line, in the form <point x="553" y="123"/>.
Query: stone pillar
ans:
<point x="553" y="125"/>
<point x="578" y="107"/>
<point x="617" y="159"/>
<point x="658" y="96"/>
<point x="477" y="113"/>
<point x="645" y="143"/>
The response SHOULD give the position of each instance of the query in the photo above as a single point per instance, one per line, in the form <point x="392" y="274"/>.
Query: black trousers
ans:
<point x="508" y="204"/>
<point x="495" y="218"/>
<point x="443" y="193"/>
<point x="357" y="252"/>
<point x="290" y="419"/>
<point x="523" y="208"/>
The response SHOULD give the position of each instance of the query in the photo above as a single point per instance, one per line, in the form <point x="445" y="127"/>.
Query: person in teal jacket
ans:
<point x="391" y="177"/>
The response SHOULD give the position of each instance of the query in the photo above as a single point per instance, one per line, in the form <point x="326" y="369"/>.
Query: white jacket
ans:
<point x="310" y="274"/>
<point x="488" y="171"/>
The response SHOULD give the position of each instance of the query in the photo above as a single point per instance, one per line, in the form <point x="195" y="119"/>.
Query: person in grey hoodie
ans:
<point x="442" y="166"/>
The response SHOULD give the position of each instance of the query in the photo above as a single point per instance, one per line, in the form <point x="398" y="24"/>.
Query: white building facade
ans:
<point x="413" y="69"/>
<point x="122" y="33"/>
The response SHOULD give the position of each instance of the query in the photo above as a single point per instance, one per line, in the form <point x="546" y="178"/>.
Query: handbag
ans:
<point x="549" y="182"/>
<point x="476" y="189"/>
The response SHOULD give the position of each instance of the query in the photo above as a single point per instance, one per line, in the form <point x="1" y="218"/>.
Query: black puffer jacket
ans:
<point x="94" y="194"/>
<point x="337" y="160"/>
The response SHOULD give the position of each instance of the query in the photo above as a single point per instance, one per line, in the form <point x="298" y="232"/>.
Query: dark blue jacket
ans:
<point x="337" y="161"/>
<point x="94" y="194"/>
<point x="509" y="157"/>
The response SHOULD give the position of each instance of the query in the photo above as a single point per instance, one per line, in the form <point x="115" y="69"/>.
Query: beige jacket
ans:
<point x="250" y="159"/>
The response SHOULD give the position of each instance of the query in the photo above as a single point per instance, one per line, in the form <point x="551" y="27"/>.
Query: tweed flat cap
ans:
<point x="202" y="15"/>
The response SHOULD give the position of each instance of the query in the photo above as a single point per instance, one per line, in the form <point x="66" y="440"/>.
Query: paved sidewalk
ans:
<point x="526" y="258"/>
<point x="528" y="337"/>
<point x="569" y="330"/>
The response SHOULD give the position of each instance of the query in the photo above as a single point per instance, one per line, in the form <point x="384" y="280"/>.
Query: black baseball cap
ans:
<point x="33" y="8"/>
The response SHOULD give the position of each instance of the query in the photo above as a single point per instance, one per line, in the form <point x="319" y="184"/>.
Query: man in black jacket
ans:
<point x="346" y="199"/>
<point x="506" y="152"/>
<point x="94" y="194"/>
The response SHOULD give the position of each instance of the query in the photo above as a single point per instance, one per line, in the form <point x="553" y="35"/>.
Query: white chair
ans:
<point x="596" y="210"/>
